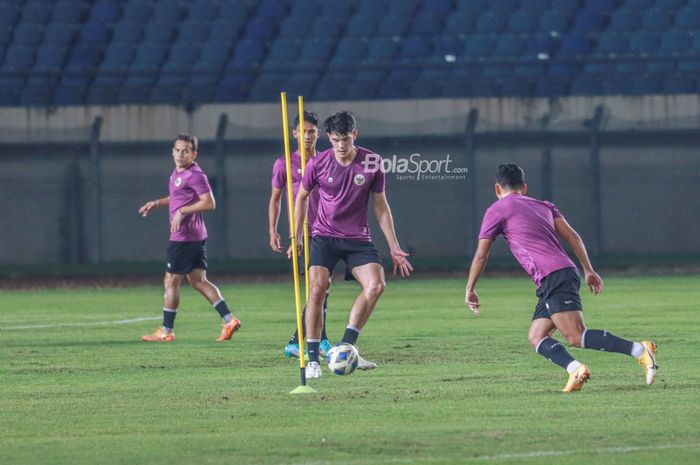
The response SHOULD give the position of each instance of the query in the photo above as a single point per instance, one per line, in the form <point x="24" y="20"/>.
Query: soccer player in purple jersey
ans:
<point x="279" y="186"/>
<point x="189" y="196"/>
<point x="532" y="229"/>
<point x="344" y="181"/>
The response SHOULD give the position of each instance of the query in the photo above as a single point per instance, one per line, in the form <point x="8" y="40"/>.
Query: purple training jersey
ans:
<point x="279" y="181"/>
<point x="527" y="225"/>
<point x="185" y="188"/>
<point x="344" y="193"/>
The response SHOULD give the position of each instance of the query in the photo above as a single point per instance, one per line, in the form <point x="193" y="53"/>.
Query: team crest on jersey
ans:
<point x="359" y="179"/>
<point x="330" y="180"/>
<point x="298" y="170"/>
<point x="178" y="181"/>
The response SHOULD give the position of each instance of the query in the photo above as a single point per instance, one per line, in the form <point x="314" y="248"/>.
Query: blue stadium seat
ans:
<point x="471" y="7"/>
<point x="348" y="51"/>
<point x="247" y="53"/>
<point x="260" y="28"/>
<point x="515" y="88"/>
<point x="341" y="8"/>
<point x="69" y="11"/>
<point x="574" y="45"/>
<point x="656" y="19"/>
<point x="414" y="47"/>
<point x="193" y="30"/>
<point x="9" y="13"/>
<point x="529" y="69"/>
<point x="439" y="7"/>
<point x="567" y="7"/>
<point x="478" y="46"/>
<point x="272" y="10"/>
<point x="268" y="87"/>
<point x="679" y="85"/>
<point x="117" y="57"/>
<point x="498" y="70"/>
<point x="169" y="12"/>
<point x="282" y="54"/>
<point x="128" y="32"/>
<point x="458" y="23"/>
<point x="553" y="21"/>
<point x="58" y="34"/>
<point x="536" y="7"/>
<point x="599" y="67"/>
<point x="393" y="25"/>
<point x="70" y="95"/>
<point x="509" y="46"/>
<point x="586" y="86"/>
<point x="675" y="41"/>
<point x="612" y="43"/>
<point x="643" y="43"/>
<point x="233" y="87"/>
<point x="362" y="26"/>
<point x="27" y="34"/>
<point x="105" y="11"/>
<point x="213" y="55"/>
<point x="669" y="5"/>
<point x="625" y="19"/>
<point x="382" y="48"/>
<point x="314" y="54"/>
<point x="490" y="22"/>
<point x="159" y="32"/>
<point x="235" y="11"/>
<point x="202" y="10"/>
<point x="50" y="58"/>
<point x="84" y="57"/>
<point x="692" y="64"/>
<point x="425" y="89"/>
<point x="302" y="7"/>
<point x="391" y="90"/>
<point x="427" y="23"/>
<point x="551" y="87"/>
<point x="564" y="70"/>
<point x="630" y="67"/>
<point x="445" y="45"/>
<point x="301" y="83"/>
<point x="522" y="21"/>
<point x="96" y="33"/>
<point x="601" y="5"/>
<point x="295" y="27"/>
<point x="588" y="20"/>
<point x="403" y="7"/>
<point x="615" y="85"/>
<point x="328" y="27"/>
<point x="35" y="11"/>
<point x="646" y="85"/>
<point x="639" y="4"/>
<point x="225" y="30"/>
<point x="18" y="58"/>
<point x="167" y="89"/>
<point x="137" y="11"/>
<point x="503" y="6"/>
<point x="688" y="18"/>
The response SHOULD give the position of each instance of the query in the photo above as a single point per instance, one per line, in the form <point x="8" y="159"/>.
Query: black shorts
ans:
<point x="183" y="257"/>
<point x="558" y="292"/>
<point x="326" y="251"/>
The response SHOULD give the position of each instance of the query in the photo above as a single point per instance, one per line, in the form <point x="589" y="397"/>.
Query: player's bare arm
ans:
<point x="206" y="202"/>
<point x="386" y="221"/>
<point x="273" y="213"/>
<point x="152" y="205"/>
<point x="300" y="206"/>
<point x="481" y="256"/>
<point x="566" y="232"/>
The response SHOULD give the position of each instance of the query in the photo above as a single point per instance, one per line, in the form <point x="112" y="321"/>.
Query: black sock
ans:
<point x="323" y="331"/>
<point x="313" y="350"/>
<point x="602" y="340"/>
<point x="351" y="335"/>
<point x="552" y="350"/>
<point x="295" y="337"/>
<point x="169" y="318"/>
<point x="222" y="308"/>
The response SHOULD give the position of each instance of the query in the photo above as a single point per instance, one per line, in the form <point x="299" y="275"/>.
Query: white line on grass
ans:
<point x="81" y="325"/>
<point x="523" y="455"/>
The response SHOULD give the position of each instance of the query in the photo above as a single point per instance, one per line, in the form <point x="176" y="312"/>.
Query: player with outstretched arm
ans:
<point x="532" y="229"/>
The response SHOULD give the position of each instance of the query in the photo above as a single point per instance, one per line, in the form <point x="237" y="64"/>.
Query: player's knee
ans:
<point x="317" y="292"/>
<point x="374" y="289"/>
<point x="574" y="339"/>
<point x="534" y="339"/>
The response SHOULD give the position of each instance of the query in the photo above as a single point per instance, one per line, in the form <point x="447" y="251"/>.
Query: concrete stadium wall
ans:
<point x="646" y="206"/>
<point x="134" y="123"/>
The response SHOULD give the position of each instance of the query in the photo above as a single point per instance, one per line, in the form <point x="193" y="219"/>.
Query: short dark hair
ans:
<point x="188" y="138"/>
<point x="309" y="117"/>
<point x="342" y="122"/>
<point x="510" y="176"/>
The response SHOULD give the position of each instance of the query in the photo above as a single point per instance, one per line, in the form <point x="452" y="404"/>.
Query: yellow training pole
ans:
<point x="302" y="151"/>
<point x="295" y="258"/>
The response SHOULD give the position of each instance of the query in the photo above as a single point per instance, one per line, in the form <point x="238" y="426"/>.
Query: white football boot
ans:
<point x="313" y="370"/>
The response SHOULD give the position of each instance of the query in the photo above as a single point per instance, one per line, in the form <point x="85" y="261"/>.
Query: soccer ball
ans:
<point x="342" y="358"/>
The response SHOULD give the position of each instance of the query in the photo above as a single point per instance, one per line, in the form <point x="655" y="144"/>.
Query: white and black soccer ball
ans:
<point x="342" y="359"/>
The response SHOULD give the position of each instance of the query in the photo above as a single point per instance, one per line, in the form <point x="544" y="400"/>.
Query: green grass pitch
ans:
<point x="78" y="388"/>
